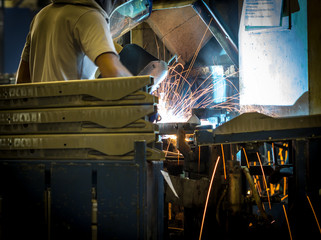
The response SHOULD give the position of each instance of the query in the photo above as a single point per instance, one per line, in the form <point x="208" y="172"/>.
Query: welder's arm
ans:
<point x="23" y="74"/>
<point x="110" y="66"/>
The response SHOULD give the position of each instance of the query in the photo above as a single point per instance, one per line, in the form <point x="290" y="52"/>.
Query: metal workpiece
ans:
<point x="109" y="92"/>
<point x="118" y="144"/>
<point x="173" y="127"/>
<point x="136" y="98"/>
<point x="103" y="88"/>
<point x="254" y="127"/>
<point x="254" y="122"/>
<point x="139" y="126"/>
<point x="78" y="120"/>
<point x="83" y="155"/>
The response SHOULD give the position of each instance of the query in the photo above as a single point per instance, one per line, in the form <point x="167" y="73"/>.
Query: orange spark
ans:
<point x="169" y="211"/>
<point x="281" y="155"/>
<point x="174" y="228"/>
<point x="257" y="182"/>
<point x="168" y="147"/>
<point x="287" y="221"/>
<point x="284" y="197"/>
<point x="283" y="162"/>
<point x="269" y="157"/>
<point x="223" y="161"/>
<point x="198" y="49"/>
<point x="178" y="95"/>
<point x="286" y="155"/>
<point x="266" y="186"/>
<point x="315" y="216"/>
<point x="273" y="155"/>
<point x="208" y="196"/>
<point x="272" y="189"/>
<point x="258" y="185"/>
<point x="247" y="161"/>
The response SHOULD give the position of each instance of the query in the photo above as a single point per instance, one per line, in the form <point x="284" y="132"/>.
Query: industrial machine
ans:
<point x="252" y="171"/>
<point x="264" y="185"/>
<point x="79" y="160"/>
<point x="233" y="152"/>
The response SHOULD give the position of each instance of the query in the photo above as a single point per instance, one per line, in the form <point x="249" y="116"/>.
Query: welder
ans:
<point x="68" y="40"/>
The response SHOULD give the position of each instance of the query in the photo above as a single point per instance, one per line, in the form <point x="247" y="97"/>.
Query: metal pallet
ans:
<point x="100" y="92"/>
<point x="78" y="120"/>
<point x="75" y="146"/>
<point x="78" y="160"/>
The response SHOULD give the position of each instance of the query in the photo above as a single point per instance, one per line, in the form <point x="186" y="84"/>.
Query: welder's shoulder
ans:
<point x="69" y="11"/>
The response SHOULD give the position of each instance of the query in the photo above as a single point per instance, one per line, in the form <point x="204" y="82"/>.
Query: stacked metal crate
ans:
<point x="78" y="160"/>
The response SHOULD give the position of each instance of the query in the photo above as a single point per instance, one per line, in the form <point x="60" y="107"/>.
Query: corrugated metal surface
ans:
<point x="181" y="30"/>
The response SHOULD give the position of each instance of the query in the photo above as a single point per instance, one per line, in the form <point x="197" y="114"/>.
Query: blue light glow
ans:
<point x="219" y="83"/>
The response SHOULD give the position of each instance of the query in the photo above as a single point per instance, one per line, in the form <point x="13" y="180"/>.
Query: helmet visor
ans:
<point x="128" y="15"/>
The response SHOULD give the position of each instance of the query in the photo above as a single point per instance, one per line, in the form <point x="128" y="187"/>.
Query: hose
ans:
<point x="256" y="196"/>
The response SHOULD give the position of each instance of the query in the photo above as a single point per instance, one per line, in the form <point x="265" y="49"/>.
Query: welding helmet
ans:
<point x="110" y="5"/>
<point x="128" y="15"/>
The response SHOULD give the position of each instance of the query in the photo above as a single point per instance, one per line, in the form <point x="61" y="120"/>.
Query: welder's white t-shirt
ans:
<point x="64" y="42"/>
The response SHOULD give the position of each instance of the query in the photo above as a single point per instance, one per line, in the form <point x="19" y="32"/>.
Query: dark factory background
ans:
<point x="216" y="136"/>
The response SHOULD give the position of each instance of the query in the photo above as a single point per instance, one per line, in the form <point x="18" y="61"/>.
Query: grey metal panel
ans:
<point x="155" y="200"/>
<point x="181" y="30"/>
<point x="252" y="127"/>
<point x="204" y="137"/>
<point x="22" y="187"/>
<point x="121" y="197"/>
<point x="139" y="126"/>
<point x="103" y="89"/>
<point x="254" y="122"/>
<point x="108" y="92"/>
<point x="118" y="201"/>
<point x="138" y="97"/>
<point x="71" y="206"/>
<point x="87" y="119"/>
<point x="152" y="154"/>
<point x="59" y="193"/>
<point x="108" y="144"/>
